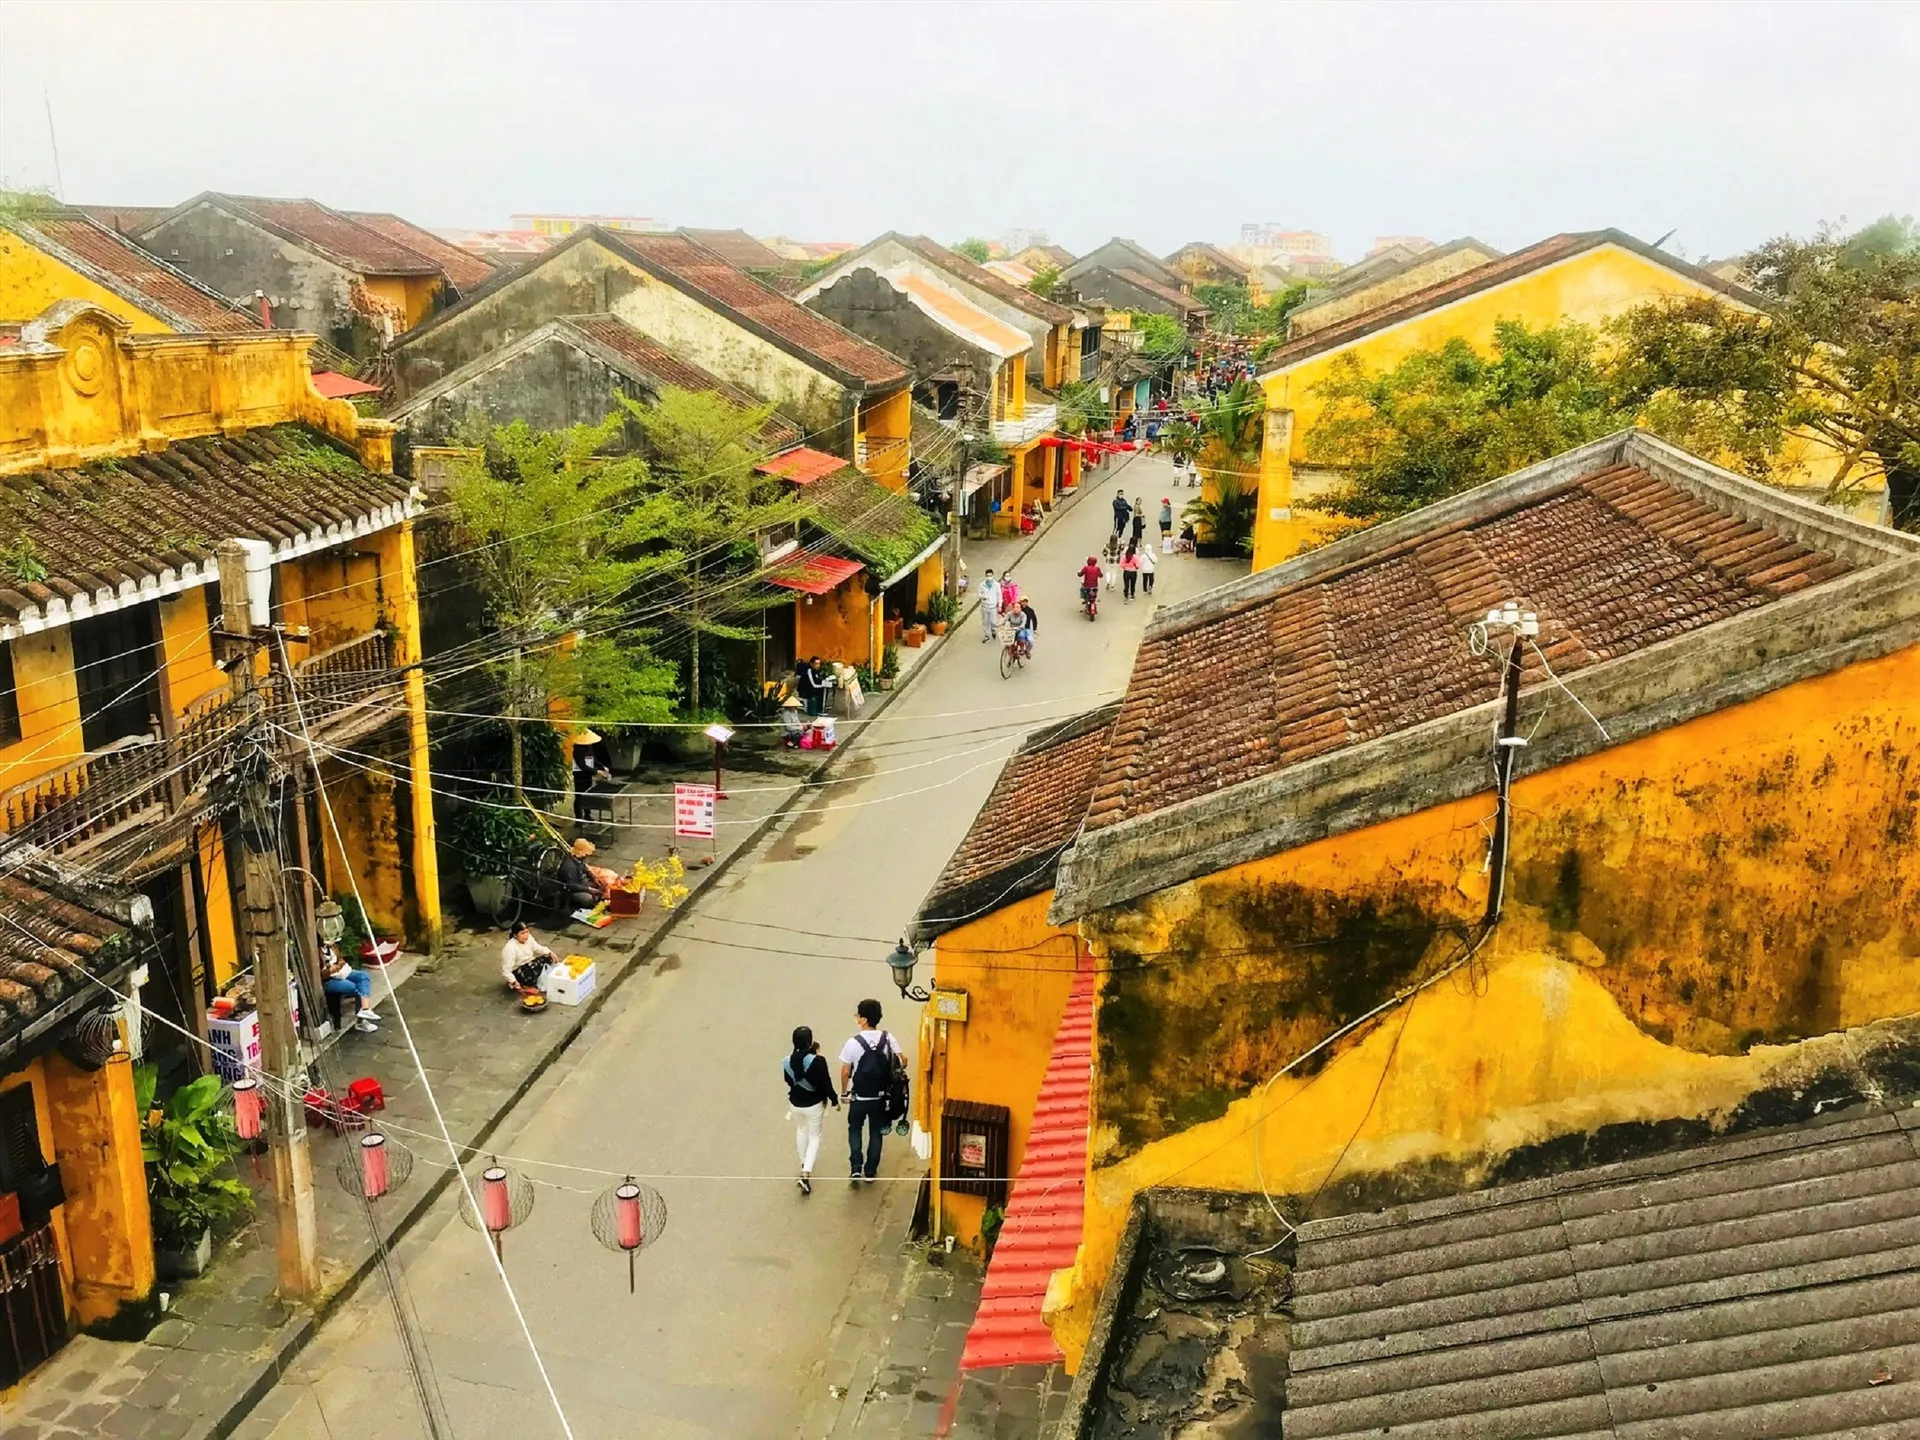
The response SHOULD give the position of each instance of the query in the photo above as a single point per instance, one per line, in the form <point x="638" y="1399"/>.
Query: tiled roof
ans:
<point x="812" y="572"/>
<point x="962" y="318"/>
<point x="883" y="527"/>
<point x="124" y="219"/>
<point x="1213" y="255"/>
<point x="803" y="466"/>
<point x="1266" y="677"/>
<point x="136" y="521"/>
<point x="1759" y="1286"/>
<point x="1059" y="254"/>
<point x="142" y="278"/>
<point x="980" y="277"/>
<point x="1033" y="811"/>
<point x="737" y="247"/>
<point x="1047" y="1210"/>
<point x="358" y="247"/>
<point x="789" y="324"/>
<point x="653" y="363"/>
<point x="461" y="266"/>
<point x="56" y="957"/>
<point x="1550" y="251"/>
<point x="1166" y="292"/>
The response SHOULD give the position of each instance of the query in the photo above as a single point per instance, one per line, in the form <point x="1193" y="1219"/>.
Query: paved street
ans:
<point x="676" y="1081"/>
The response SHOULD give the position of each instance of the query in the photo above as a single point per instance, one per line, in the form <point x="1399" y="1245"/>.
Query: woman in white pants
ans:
<point x="810" y="1090"/>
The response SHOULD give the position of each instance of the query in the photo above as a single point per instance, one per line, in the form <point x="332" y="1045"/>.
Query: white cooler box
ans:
<point x="564" y="984"/>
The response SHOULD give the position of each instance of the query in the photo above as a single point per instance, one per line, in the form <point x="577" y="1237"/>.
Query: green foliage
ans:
<point x="1082" y="410"/>
<point x="188" y="1146"/>
<point x="1230" y="433"/>
<point x="22" y="563"/>
<point x="489" y="838"/>
<point x="890" y="659"/>
<point x="1234" y="312"/>
<point x="1225" y="519"/>
<point x="975" y="249"/>
<point x="355" y="931"/>
<point x="814" y="269"/>
<point x="1836" y="353"/>
<point x="476" y="759"/>
<point x="1181" y="440"/>
<point x="942" y="606"/>
<point x="24" y="204"/>
<point x="1445" y="420"/>
<point x="713" y="500"/>
<point x="1045" y="283"/>
<point x="1164" y="341"/>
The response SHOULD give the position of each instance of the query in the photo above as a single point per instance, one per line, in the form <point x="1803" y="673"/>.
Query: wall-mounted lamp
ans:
<point x="901" y="962"/>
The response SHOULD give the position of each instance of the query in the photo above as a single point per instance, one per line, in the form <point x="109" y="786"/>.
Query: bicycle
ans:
<point x="1013" y="655"/>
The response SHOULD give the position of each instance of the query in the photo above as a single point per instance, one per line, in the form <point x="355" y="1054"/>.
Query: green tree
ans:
<point x="1230" y="433"/>
<point x="1444" y="420"/>
<point x="1163" y="341"/>
<point x="24" y="204"/>
<point x="557" y="534"/>
<point x="1045" y="283"/>
<point x="1835" y="352"/>
<point x="707" y="454"/>
<point x="1231" y="304"/>
<point x="975" y="249"/>
<point x="1082" y="409"/>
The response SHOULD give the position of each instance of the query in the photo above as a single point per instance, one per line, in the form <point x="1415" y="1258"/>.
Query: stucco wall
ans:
<point x="867" y="305"/>
<point x="31" y="280"/>
<point x="236" y="258"/>
<point x="838" y="625"/>
<point x="550" y="386"/>
<point x="1427" y="271"/>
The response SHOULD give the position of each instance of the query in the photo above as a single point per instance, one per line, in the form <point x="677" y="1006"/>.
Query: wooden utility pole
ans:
<point x="299" y="1233"/>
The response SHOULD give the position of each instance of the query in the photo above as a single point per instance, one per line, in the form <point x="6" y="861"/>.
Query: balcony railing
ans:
<point x="345" y="691"/>
<point x="1039" y="420"/>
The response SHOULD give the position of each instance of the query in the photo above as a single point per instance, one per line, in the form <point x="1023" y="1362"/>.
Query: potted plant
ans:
<point x="941" y="609"/>
<point x="491" y="843"/>
<point x="623" y="749"/>
<point x="889" y="664"/>
<point x="188" y="1145"/>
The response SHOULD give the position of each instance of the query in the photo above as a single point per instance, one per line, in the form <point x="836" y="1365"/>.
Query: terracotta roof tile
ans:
<point x="812" y="572"/>
<point x="803" y="466"/>
<point x="1613" y="562"/>
<point x="363" y="249"/>
<point x="124" y="219"/>
<point x="466" y="270"/>
<point x="1484" y="277"/>
<point x="1033" y="811"/>
<point x="981" y="278"/>
<point x="792" y="325"/>
<point x="651" y="361"/>
<point x="149" y="276"/>
<point x="122" y="521"/>
<point x="53" y="955"/>
<point x="737" y="247"/>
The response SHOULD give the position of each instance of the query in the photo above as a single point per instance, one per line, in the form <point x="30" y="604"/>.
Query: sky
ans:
<point x="1722" y="123"/>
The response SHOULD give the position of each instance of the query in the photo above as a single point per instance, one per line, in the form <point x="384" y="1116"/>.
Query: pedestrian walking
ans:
<point x="1166" y="520"/>
<point x="866" y="1077"/>
<point x="809" y="1092"/>
<point x="1139" y="519"/>
<point x="989" y="609"/>
<point x="1148" y="564"/>
<point x="1129" y="572"/>
<point x="1121" y="513"/>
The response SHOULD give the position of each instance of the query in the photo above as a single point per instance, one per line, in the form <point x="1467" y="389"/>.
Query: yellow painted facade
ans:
<point x="413" y="296"/>
<point x="1690" y="921"/>
<point x="844" y="624"/>
<point x="1590" y="288"/>
<point x="883" y="428"/>
<point x="32" y="280"/>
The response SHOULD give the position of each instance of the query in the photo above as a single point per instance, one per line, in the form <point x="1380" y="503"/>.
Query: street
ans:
<point x="677" y="1082"/>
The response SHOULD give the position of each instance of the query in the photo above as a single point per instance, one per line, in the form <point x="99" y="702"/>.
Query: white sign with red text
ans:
<point x="693" y="811"/>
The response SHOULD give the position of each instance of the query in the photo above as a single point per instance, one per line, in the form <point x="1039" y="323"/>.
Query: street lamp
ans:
<point x="719" y="734"/>
<point x="901" y="962"/>
<point x="330" y="921"/>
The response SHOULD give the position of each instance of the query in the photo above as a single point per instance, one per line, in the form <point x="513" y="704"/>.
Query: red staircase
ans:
<point x="1042" y="1229"/>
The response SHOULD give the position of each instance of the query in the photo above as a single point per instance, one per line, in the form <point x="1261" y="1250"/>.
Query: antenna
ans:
<point x="59" y="182"/>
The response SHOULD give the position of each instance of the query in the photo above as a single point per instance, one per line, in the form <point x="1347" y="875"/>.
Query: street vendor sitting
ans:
<point x="523" y="960"/>
<point x="582" y="882"/>
<point x="793" y="722"/>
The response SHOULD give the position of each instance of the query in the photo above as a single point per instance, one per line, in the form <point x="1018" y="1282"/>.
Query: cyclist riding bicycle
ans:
<point x="1024" y="623"/>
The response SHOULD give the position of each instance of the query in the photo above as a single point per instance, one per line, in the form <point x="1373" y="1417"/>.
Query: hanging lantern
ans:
<point x="629" y="1217"/>
<point x="503" y="1197"/>
<point x="374" y="1167"/>
<point x="249" y="1109"/>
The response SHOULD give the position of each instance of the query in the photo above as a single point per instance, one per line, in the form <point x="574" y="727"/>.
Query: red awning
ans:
<point x="802" y="465"/>
<point x="812" y="573"/>
<point x="335" y="386"/>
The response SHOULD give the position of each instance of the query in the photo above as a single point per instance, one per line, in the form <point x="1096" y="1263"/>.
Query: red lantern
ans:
<point x="249" y="1109"/>
<point x="495" y="1199"/>
<point x="629" y="1217"/>
<point x="373" y="1165"/>
<point x="495" y="1207"/>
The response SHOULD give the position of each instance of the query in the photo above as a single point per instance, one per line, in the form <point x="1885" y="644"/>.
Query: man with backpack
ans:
<point x="872" y="1071"/>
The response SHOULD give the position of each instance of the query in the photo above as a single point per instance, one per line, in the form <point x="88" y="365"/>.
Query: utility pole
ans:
<point x="957" y="510"/>
<point x="299" y="1235"/>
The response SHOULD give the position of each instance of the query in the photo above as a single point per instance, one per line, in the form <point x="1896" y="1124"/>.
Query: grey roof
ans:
<point x="1752" y="1287"/>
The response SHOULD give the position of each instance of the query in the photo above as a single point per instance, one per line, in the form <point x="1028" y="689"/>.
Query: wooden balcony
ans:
<point x="99" y="801"/>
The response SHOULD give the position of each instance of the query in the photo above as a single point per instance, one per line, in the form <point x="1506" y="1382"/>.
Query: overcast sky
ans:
<point x="1163" y="122"/>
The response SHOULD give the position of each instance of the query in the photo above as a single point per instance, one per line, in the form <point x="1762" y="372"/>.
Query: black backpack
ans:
<point x="873" y="1071"/>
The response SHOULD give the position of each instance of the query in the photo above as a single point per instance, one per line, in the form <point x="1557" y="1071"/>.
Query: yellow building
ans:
<point x="59" y="254"/>
<point x="1198" y="263"/>
<point x="1282" y="869"/>
<point x="125" y="461"/>
<point x="1588" y="278"/>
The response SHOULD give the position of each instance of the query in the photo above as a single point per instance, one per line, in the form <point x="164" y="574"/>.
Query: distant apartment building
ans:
<point x="1021" y="238"/>
<point x="1297" y="244"/>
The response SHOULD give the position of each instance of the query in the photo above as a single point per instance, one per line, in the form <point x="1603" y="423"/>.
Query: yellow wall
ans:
<point x="412" y="295"/>
<point x="49" y="705"/>
<point x="221" y="940"/>
<point x="839" y="625"/>
<point x="1016" y="970"/>
<point x="886" y="424"/>
<point x="95" y="1133"/>
<point x="34" y="1073"/>
<point x="31" y="280"/>
<point x="1590" y="288"/>
<point x="1659" y="958"/>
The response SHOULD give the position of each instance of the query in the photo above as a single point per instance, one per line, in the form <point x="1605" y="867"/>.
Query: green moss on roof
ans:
<point x="882" y="527"/>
